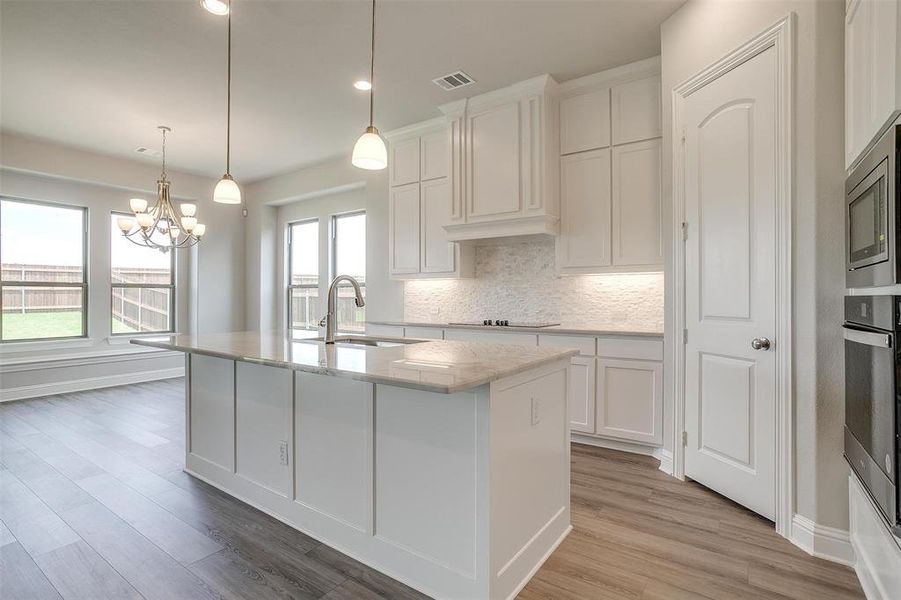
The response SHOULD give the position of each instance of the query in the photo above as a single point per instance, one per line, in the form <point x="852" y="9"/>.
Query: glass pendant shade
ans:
<point x="125" y="224"/>
<point x="188" y="209"/>
<point x="138" y="205"/>
<point x="370" y="152"/>
<point x="227" y="191"/>
<point x="145" y="220"/>
<point x="199" y="230"/>
<point x="188" y="223"/>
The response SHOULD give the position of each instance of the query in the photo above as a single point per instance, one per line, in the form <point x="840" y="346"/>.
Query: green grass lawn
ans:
<point x="29" y="326"/>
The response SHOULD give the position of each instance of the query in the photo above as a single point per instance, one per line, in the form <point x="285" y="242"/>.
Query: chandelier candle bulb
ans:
<point x="188" y="223"/>
<point x="199" y="230"/>
<point x="188" y="209"/>
<point x="138" y="205"/>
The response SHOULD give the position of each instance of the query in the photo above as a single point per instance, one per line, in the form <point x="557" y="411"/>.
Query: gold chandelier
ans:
<point x="161" y="227"/>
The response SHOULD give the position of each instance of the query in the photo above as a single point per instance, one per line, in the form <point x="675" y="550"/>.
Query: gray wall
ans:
<point x="697" y="35"/>
<point x="335" y="181"/>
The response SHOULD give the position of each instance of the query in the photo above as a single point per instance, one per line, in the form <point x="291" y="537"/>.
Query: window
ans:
<point x="43" y="284"/>
<point x="349" y="258"/>
<point x="143" y="285"/>
<point x="303" y="279"/>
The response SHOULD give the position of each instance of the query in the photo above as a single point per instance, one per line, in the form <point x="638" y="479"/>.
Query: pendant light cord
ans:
<point x="228" y="110"/>
<point x="372" y="65"/>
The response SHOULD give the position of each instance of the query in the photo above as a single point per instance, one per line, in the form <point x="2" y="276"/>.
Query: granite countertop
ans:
<point x="558" y="329"/>
<point x="434" y="365"/>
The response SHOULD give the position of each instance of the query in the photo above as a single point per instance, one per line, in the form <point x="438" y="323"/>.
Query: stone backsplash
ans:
<point x="517" y="281"/>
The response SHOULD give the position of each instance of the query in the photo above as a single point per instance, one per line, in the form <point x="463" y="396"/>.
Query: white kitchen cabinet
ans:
<point x="493" y="336"/>
<point x="434" y="155"/>
<point x="635" y="109"/>
<point x="872" y="77"/>
<point x="637" y="204"/>
<point x="438" y="255"/>
<point x="426" y="333"/>
<point x="584" y="241"/>
<point x="504" y="165"/>
<point x="629" y="400"/>
<point x="585" y="121"/>
<point x="403" y="162"/>
<point x="581" y="394"/>
<point x="404" y="232"/>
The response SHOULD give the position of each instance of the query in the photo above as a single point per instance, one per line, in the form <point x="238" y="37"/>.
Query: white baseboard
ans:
<point x="822" y="541"/>
<point x="662" y="454"/>
<point x="89" y="383"/>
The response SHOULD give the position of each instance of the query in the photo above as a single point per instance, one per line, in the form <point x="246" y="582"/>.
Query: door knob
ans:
<point x="760" y="344"/>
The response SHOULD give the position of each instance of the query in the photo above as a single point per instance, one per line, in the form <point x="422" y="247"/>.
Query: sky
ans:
<point x="351" y="247"/>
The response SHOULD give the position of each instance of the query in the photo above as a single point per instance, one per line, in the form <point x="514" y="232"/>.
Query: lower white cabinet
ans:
<point x="629" y="400"/>
<point x="581" y="394"/>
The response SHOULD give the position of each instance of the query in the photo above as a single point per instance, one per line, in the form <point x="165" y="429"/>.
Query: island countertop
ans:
<point x="434" y="365"/>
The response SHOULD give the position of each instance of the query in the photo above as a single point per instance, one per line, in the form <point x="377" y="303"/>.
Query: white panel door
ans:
<point x="585" y="121"/>
<point x="584" y="239"/>
<point x="493" y="162"/>
<point x="435" y="207"/>
<point x="635" y="110"/>
<point x="630" y="400"/>
<point x="404" y="161"/>
<point x="730" y="291"/>
<point x="637" y="204"/>
<point x="403" y="234"/>
<point x="434" y="155"/>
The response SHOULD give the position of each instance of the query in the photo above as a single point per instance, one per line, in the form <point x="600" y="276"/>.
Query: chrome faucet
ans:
<point x="330" y="320"/>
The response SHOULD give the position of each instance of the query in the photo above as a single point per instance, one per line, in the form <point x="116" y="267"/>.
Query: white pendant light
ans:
<point x="370" y="152"/>
<point x="227" y="191"/>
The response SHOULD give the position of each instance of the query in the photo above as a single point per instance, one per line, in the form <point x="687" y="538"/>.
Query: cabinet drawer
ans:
<point x="428" y="333"/>
<point x="496" y="337"/>
<point x="585" y="345"/>
<point x="631" y="348"/>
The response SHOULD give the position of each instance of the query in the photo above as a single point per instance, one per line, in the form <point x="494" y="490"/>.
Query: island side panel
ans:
<point x="530" y="474"/>
<point x="211" y="410"/>
<point x="333" y="421"/>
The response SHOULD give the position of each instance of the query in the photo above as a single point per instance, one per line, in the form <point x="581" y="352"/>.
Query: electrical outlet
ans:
<point x="536" y="415"/>
<point x="283" y="452"/>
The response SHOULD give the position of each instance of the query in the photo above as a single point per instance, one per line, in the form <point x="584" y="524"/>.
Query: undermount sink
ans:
<point x="352" y="340"/>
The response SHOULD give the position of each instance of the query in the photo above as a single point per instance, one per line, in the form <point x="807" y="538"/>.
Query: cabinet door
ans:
<point x="581" y="394"/>
<point x="435" y="204"/>
<point x="585" y="121"/>
<point x="434" y="155"/>
<point x="493" y="162"/>
<point x="630" y="400"/>
<point x="637" y="204"/>
<point x="584" y="239"/>
<point x="403" y="234"/>
<point x="635" y="110"/>
<point x="403" y="161"/>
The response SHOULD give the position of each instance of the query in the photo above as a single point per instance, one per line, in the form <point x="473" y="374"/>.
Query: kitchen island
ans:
<point x="442" y="464"/>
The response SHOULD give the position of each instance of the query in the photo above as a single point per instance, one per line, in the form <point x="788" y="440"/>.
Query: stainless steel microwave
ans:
<point x="872" y="226"/>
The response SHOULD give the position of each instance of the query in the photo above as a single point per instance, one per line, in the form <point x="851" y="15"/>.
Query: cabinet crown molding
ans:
<point x="610" y="77"/>
<point x="435" y="124"/>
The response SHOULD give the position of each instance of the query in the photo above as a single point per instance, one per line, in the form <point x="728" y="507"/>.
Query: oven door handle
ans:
<point x="879" y="340"/>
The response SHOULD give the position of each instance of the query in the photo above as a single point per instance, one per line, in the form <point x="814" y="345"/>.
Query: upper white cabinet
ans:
<point x="504" y="165"/>
<point x="585" y="121"/>
<point x="421" y="204"/>
<point x="872" y="77"/>
<point x="637" y="204"/>
<point x="610" y="172"/>
<point x="635" y="110"/>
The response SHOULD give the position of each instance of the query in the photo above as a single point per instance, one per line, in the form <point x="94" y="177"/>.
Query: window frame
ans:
<point x="333" y="253"/>
<point x="305" y="286"/>
<point x="27" y="284"/>
<point x="171" y="286"/>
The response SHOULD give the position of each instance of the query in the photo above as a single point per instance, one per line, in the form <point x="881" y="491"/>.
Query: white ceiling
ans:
<point x="101" y="75"/>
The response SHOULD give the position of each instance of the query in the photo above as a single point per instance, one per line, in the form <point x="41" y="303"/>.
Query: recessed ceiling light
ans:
<point x="217" y="7"/>
<point x="363" y="85"/>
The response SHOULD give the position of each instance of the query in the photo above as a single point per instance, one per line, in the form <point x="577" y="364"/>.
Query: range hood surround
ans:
<point x="504" y="165"/>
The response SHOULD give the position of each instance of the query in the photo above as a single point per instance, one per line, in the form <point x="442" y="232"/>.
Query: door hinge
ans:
<point x="684" y="230"/>
<point x="684" y="336"/>
<point x="684" y="438"/>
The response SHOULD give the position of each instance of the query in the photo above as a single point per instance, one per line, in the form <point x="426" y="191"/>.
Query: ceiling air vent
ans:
<point x="148" y="151"/>
<point x="454" y="80"/>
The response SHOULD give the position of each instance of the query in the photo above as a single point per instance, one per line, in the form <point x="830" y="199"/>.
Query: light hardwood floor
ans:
<point x="94" y="505"/>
